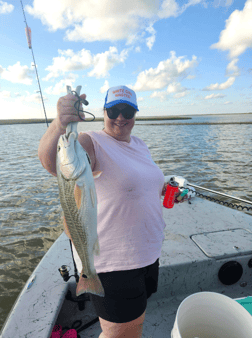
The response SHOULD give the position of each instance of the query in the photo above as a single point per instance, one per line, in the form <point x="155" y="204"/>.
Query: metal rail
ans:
<point x="219" y="193"/>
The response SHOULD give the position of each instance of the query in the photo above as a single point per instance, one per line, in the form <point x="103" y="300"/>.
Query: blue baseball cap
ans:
<point x="120" y="94"/>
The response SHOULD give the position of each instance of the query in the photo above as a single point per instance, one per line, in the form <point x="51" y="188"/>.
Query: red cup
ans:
<point x="169" y="198"/>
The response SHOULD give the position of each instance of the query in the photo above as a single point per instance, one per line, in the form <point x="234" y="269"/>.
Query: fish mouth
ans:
<point x="66" y="149"/>
<point x="69" y="155"/>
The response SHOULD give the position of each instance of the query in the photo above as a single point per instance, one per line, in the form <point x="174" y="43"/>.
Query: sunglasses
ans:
<point x="128" y="112"/>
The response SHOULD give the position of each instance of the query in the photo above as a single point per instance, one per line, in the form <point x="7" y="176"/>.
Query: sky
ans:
<point x="181" y="57"/>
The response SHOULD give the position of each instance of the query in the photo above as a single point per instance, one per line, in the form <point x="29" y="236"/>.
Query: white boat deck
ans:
<point x="185" y="268"/>
<point x="159" y="319"/>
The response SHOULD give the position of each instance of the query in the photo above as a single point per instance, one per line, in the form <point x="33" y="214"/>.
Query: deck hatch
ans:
<point x="225" y="243"/>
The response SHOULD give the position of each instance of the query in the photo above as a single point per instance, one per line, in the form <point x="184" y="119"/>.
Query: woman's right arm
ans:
<point x="66" y="113"/>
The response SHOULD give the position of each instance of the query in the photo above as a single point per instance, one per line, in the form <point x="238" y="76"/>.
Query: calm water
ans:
<point x="214" y="156"/>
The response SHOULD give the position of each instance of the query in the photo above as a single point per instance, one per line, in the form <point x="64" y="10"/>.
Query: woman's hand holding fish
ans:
<point x="66" y="112"/>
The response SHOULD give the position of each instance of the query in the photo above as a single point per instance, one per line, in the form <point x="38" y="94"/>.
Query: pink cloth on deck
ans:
<point x="130" y="221"/>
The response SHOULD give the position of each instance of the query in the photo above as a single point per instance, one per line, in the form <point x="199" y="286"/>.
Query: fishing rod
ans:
<point x="219" y="193"/>
<point x="28" y="35"/>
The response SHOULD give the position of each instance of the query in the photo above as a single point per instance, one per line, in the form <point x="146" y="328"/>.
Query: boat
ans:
<point x="207" y="248"/>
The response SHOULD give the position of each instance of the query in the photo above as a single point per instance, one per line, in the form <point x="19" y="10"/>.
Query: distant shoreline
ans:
<point x="138" y="118"/>
<point x="189" y="124"/>
<point x="97" y="119"/>
<point x="217" y="114"/>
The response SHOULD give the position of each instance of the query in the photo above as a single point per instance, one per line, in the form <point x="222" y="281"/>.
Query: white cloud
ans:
<point x="151" y="39"/>
<point x="237" y="35"/>
<point x="5" y="94"/>
<point x="103" y="62"/>
<point x="166" y="72"/>
<point x="221" y="86"/>
<point x="191" y="3"/>
<point x="27" y="97"/>
<point x="222" y="3"/>
<point x="25" y="109"/>
<point x="60" y="87"/>
<point x="109" y="20"/>
<point x="104" y="28"/>
<point x="161" y="95"/>
<point x="31" y="98"/>
<point x="232" y="69"/>
<point x="95" y="20"/>
<point x="105" y="87"/>
<point x="190" y="77"/>
<point x="179" y="95"/>
<point x="58" y="17"/>
<point x="5" y="8"/>
<point x="214" y="96"/>
<point x="174" y="88"/>
<point x="17" y="74"/>
<point x="70" y="61"/>
<point x="170" y="8"/>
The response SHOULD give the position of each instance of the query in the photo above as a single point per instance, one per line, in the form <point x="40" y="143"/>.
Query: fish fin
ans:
<point x="92" y="285"/>
<point x="97" y="248"/>
<point x="97" y="174"/>
<point x="92" y="196"/>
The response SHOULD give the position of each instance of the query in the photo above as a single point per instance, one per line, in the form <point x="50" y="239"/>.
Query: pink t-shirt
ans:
<point x="130" y="221"/>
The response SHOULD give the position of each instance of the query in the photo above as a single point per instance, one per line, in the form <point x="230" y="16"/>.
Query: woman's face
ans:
<point x="119" y="128"/>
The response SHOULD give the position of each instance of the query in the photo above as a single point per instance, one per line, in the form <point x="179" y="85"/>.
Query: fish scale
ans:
<point x="72" y="217"/>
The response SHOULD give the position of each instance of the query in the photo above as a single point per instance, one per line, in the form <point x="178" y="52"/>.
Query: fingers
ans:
<point x="179" y="199"/>
<point x="83" y="96"/>
<point x="66" y="111"/>
<point x="176" y="195"/>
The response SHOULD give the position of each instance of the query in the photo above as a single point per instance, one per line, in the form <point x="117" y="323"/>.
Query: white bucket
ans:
<point x="211" y="315"/>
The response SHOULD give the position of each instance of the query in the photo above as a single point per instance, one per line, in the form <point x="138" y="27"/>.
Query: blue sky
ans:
<point x="182" y="57"/>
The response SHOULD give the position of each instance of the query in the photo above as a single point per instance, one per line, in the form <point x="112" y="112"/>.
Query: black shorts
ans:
<point x="126" y="293"/>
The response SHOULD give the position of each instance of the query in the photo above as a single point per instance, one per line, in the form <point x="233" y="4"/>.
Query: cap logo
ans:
<point x="122" y="93"/>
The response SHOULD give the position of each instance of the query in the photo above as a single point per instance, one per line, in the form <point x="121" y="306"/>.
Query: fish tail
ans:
<point x="90" y="284"/>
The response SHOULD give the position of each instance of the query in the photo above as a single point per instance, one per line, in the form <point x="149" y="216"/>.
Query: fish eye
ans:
<point x="58" y="148"/>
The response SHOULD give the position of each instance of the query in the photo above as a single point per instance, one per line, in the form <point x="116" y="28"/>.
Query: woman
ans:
<point x="130" y="223"/>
